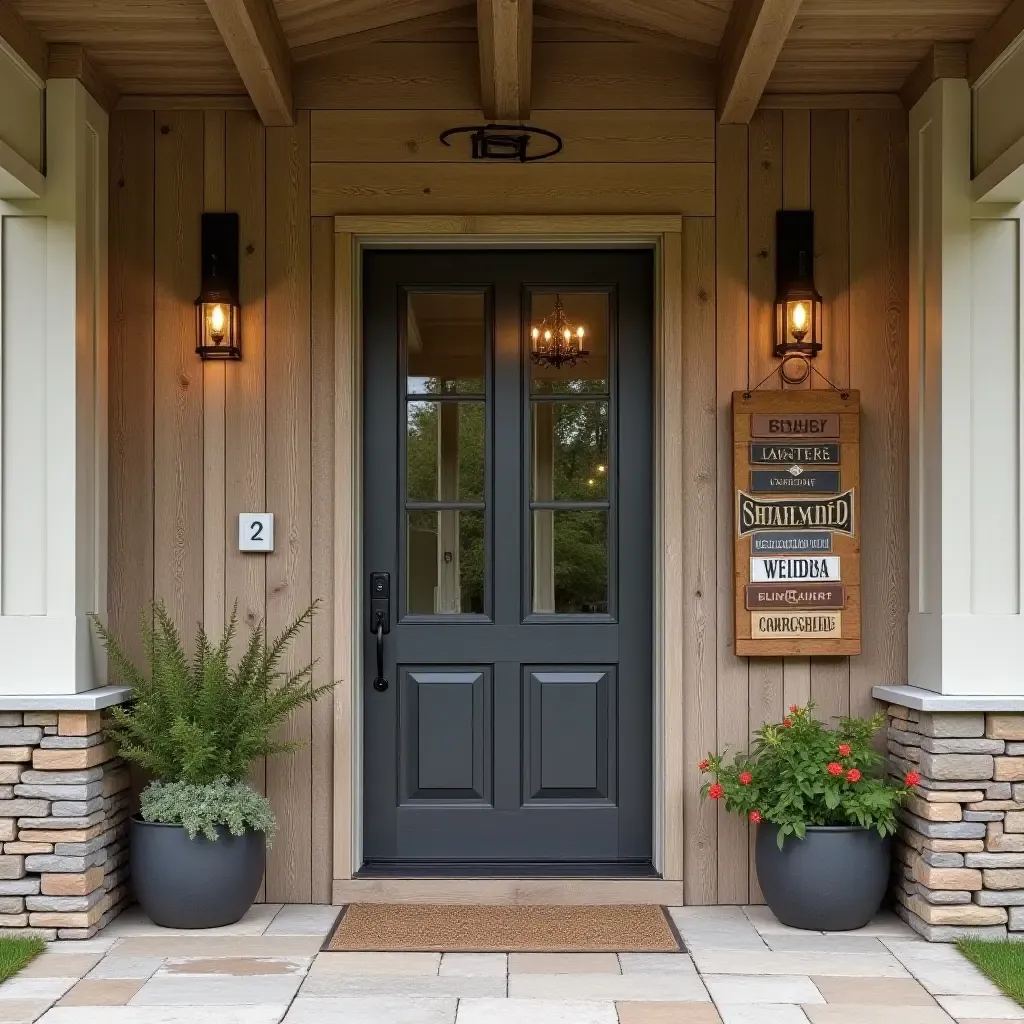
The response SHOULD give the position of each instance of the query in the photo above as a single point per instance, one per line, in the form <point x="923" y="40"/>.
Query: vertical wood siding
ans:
<point x="192" y="444"/>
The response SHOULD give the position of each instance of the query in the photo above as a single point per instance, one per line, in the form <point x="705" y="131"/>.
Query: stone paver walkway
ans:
<point x="742" y="967"/>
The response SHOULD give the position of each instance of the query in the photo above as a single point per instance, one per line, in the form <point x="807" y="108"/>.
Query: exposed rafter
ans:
<point x="754" y="37"/>
<point x="69" y="60"/>
<point x="943" y="60"/>
<point x="505" y="35"/>
<point x="381" y="34"/>
<point x="989" y="46"/>
<point x="566" y="14"/>
<point x="21" y="41"/>
<point x="252" y="33"/>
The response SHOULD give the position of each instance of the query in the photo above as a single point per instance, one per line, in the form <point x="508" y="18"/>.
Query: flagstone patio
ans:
<point x="742" y="967"/>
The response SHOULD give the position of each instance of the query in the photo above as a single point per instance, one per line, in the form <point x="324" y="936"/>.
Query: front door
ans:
<point x="507" y="498"/>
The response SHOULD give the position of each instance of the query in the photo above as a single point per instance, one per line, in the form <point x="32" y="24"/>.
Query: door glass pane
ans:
<point x="557" y="366"/>
<point x="445" y="336"/>
<point x="570" y="451"/>
<point x="445" y="451"/>
<point x="570" y="561"/>
<point x="446" y="562"/>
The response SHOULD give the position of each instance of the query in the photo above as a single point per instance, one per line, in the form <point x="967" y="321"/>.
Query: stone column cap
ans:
<point x="87" y="700"/>
<point x="920" y="699"/>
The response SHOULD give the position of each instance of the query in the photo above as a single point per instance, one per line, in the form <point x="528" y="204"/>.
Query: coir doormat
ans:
<point x="423" y="927"/>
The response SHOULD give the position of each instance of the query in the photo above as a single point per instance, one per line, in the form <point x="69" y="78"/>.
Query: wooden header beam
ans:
<point x="943" y="60"/>
<point x="252" y="33"/>
<point x="69" y="60"/>
<point x="505" y="37"/>
<point x="753" y="39"/>
<point x="23" y="42"/>
<point x="995" y="40"/>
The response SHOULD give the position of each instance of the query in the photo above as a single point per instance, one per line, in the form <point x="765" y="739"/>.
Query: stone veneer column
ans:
<point x="64" y="806"/>
<point x="959" y="864"/>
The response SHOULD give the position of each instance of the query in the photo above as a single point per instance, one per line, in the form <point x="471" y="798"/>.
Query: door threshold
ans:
<point x="507" y="869"/>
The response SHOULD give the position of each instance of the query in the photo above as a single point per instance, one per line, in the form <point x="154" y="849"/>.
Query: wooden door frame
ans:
<point x="664" y="235"/>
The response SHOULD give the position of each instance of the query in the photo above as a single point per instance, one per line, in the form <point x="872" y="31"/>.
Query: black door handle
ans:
<point x="380" y="620"/>
<point x="380" y="684"/>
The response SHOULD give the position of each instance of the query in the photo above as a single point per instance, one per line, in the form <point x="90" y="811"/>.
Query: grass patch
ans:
<point x="1002" y="962"/>
<point x="17" y="953"/>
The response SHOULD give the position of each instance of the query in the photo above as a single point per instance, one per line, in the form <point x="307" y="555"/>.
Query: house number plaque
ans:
<point x="796" y="484"/>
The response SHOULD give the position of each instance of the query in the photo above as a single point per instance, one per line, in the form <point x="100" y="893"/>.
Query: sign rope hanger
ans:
<point x="504" y="141"/>
<point x="807" y="370"/>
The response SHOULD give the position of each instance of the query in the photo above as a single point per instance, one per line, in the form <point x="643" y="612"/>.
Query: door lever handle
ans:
<point x="380" y="684"/>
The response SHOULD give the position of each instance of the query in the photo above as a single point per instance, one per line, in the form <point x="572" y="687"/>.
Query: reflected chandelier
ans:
<point x="555" y="341"/>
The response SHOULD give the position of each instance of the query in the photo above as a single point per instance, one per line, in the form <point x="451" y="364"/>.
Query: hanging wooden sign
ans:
<point x="797" y="529"/>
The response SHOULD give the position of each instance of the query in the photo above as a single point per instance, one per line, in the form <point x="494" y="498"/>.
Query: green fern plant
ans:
<point x="205" y="720"/>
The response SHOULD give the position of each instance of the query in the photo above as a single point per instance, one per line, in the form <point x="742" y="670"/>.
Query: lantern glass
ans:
<point x="798" y="325"/>
<point x="217" y="328"/>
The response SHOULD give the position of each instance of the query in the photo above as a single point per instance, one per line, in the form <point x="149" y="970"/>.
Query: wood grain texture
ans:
<point x="990" y="44"/>
<point x="23" y="40"/>
<point x="504" y="30"/>
<point x="322" y="550"/>
<point x="415" y="28"/>
<point x="512" y="188"/>
<point x="214" y="399"/>
<point x="753" y="39"/>
<point x="289" y="584"/>
<point x="178" y="375"/>
<point x="700" y="557"/>
<point x="589" y="136"/>
<point x="245" y="386"/>
<point x="830" y="101"/>
<point x="943" y="60"/>
<point x="669" y="559"/>
<point x="130" y="537"/>
<point x="70" y="60"/>
<point x="830" y="200"/>
<point x="252" y="34"/>
<point x="732" y="312"/>
<point x="878" y="367"/>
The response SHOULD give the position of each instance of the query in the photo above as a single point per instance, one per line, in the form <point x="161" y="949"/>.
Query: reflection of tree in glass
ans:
<point x="580" y="473"/>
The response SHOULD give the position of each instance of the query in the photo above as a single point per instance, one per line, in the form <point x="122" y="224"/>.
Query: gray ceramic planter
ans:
<point x="194" y="883"/>
<point x="831" y="881"/>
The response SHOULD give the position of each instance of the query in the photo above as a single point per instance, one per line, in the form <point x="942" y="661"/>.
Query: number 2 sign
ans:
<point x="255" y="531"/>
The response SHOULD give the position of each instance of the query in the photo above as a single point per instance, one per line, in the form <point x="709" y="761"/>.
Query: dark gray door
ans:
<point x="510" y="503"/>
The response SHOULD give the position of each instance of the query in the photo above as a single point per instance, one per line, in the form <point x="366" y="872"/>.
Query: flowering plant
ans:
<point x="802" y="773"/>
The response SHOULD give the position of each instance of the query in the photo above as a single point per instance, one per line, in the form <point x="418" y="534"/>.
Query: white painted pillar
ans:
<point x="966" y="631"/>
<point x="53" y="409"/>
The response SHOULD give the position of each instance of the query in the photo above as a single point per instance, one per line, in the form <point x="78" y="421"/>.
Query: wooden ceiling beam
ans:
<point x="505" y="37"/>
<point x="252" y="33"/>
<point x="70" y="60"/>
<point x="753" y="39"/>
<point x="381" y="34"/>
<point x="576" y="16"/>
<point x="22" y="42"/>
<point x="988" y="47"/>
<point x="943" y="60"/>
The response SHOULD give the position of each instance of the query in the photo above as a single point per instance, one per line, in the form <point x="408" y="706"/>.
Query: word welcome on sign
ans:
<point x="796" y="474"/>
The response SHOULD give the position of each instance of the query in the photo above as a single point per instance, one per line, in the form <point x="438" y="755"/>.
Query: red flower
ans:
<point x="746" y="778"/>
<point x="787" y="723"/>
<point x="704" y="765"/>
<point x="755" y="817"/>
<point x="794" y="708"/>
<point x="853" y="775"/>
<point x="912" y="778"/>
<point x="845" y="749"/>
<point x="715" y="791"/>
<point x="835" y="768"/>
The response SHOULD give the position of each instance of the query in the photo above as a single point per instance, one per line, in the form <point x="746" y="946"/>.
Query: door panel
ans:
<point x="510" y="499"/>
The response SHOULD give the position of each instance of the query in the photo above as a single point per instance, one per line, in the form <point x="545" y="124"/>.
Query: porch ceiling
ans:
<point x="174" y="47"/>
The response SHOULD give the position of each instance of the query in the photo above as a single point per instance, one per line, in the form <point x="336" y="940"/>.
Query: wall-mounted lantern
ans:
<point x="797" y="302"/>
<point x="218" y="312"/>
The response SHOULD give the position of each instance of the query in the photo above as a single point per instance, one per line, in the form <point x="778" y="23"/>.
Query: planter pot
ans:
<point x="194" y="883"/>
<point x="832" y="881"/>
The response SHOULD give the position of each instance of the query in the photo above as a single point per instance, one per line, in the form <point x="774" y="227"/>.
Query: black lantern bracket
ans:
<point x="218" y="306"/>
<point x="505" y="141"/>
<point x="798" y="306"/>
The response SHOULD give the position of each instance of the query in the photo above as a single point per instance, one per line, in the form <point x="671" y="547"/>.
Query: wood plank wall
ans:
<point x="192" y="444"/>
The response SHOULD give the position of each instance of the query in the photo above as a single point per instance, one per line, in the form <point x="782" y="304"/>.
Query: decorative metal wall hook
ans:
<point x="504" y="141"/>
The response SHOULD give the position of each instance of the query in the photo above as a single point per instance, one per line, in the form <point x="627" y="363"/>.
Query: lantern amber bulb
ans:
<point x="217" y="319"/>
<point x="800" y="317"/>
